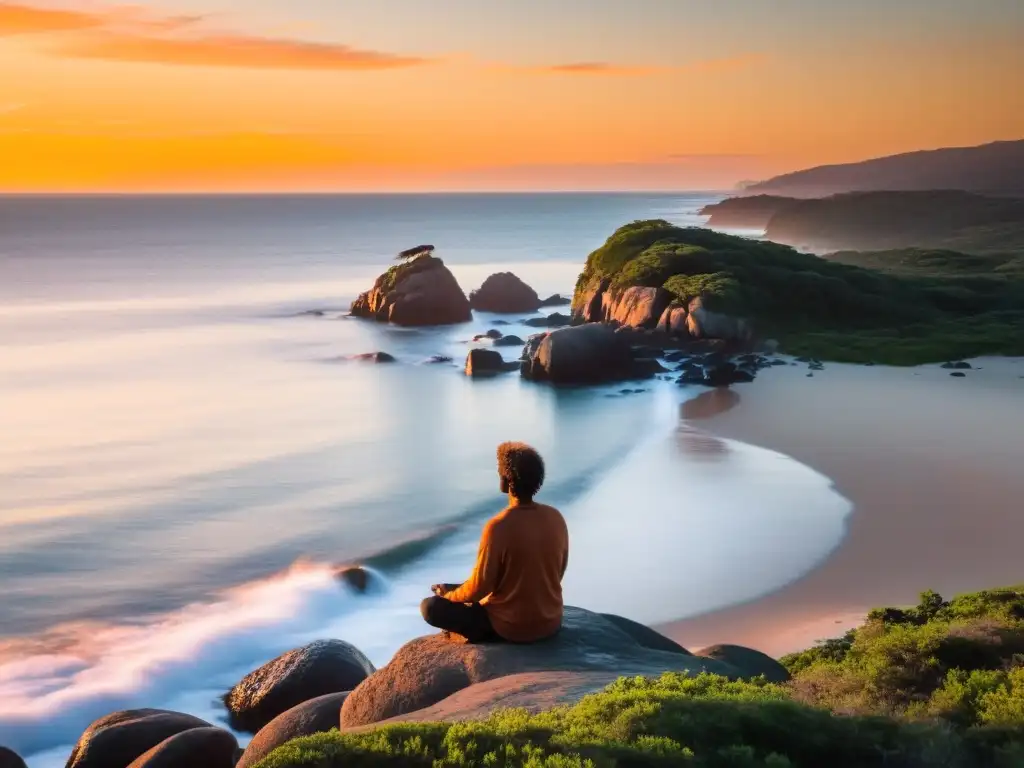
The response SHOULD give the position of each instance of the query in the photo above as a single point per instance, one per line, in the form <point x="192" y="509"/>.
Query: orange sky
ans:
<point x="177" y="95"/>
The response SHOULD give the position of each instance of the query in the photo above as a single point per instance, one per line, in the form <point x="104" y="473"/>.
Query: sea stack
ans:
<point x="420" y="291"/>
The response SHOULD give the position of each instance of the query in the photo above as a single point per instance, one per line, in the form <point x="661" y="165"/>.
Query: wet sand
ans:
<point x="933" y="464"/>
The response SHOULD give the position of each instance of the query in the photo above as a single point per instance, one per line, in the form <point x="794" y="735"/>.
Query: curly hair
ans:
<point x="522" y="468"/>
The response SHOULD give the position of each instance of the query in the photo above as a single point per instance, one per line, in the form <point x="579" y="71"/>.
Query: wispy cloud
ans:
<point x="129" y="34"/>
<point x="230" y="50"/>
<point x="16" y="19"/>
<point x="11" y="107"/>
<point x="613" y="69"/>
<point x="598" y="68"/>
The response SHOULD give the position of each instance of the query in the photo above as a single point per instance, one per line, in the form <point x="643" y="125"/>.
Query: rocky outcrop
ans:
<point x="118" y="739"/>
<point x="752" y="212"/>
<point x="314" y="716"/>
<point x="583" y="354"/>
<point x="10" y="759"/>
<point x="322" y="667"/>
<point x="749" y="662"/>
<point x="588" y="304"/>
<point x="642" y="307"/>
<point x="195" y="748"/>
<point x="673" y="320"/>
<point x="636" y="307"/>
<point x="487" y="362"/>
<point x="420" y="292"/>
<point x="505" y="293"/>
<point x="430" y="669"/>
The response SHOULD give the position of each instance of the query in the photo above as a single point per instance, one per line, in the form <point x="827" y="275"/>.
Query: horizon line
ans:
<point x="354" y="193"/>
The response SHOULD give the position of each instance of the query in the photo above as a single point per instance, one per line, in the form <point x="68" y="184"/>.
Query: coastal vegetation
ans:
<point x="948" y="219"/>
<point x="940" y="684"/>
<point x="900" y="308"/>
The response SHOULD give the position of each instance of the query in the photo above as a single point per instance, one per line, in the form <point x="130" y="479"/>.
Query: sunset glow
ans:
<point x="180" y="95"/>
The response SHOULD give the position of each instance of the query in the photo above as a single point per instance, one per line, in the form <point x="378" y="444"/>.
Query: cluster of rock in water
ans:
<point x="331" y="684"/>
<point x="611" y="335"/>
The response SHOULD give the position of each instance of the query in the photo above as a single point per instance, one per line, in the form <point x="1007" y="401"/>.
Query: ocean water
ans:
<point x="188" y="451"/>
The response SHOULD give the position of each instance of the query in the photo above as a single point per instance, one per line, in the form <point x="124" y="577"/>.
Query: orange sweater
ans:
<point x="523" y="555"/>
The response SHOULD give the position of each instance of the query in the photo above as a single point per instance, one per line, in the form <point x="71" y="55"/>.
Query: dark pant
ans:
<point x="467" y="619"/>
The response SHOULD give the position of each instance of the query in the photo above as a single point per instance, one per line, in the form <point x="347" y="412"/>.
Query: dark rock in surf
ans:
<point x="504" y="292"/>
<point x="195" y="748"/>
<point x="10" y="759"/>
<point x="749" y="662"/>
<point x="493" y="334"/>
<point x="487" y="362"/>
<point x="317" y="715"/>
<point x="554" y="320"/>
<point x="420" y="292"/>
<point x="957" y="365"/>
<point x="435" y="359"/>
<point x="556" y="300"/>
<point x="959" y="374"/>
<point x="322" y="667"/>
<point x="375" y="357"/>
<point x="508" y="341"/>
<point x="118" y="739"/>
<point x="355" y="576"/>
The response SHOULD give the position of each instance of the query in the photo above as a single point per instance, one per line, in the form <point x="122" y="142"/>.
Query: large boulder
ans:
<point x="487" y="362"/>
<point x="702" y="323"/>
<point x="429" y="669"/>
<point x="116" y="740"/>
<point x="674" y="320"/>
<point x="750" y="662"/>
<point x="10" y="759"/>
<point x="420" y="292"/>
<point x="322" y="667"/>
<point x="646" y="636"/>
<point x="533" y="691"/>
<point x="582" y="354"/>
<point x="195" y="748"/>
<point x="314" y="716"/>
<point x="504" y="292"/>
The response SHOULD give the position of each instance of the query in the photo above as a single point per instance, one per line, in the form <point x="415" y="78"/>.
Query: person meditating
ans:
<point x="515" y="591"/>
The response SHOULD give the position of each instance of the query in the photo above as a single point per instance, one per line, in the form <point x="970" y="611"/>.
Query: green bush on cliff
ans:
<point x="960" y="661"/>
<point x="927" y="306"/>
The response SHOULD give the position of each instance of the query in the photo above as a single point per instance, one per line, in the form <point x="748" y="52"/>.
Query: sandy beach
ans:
<point x="933" y="464"/>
